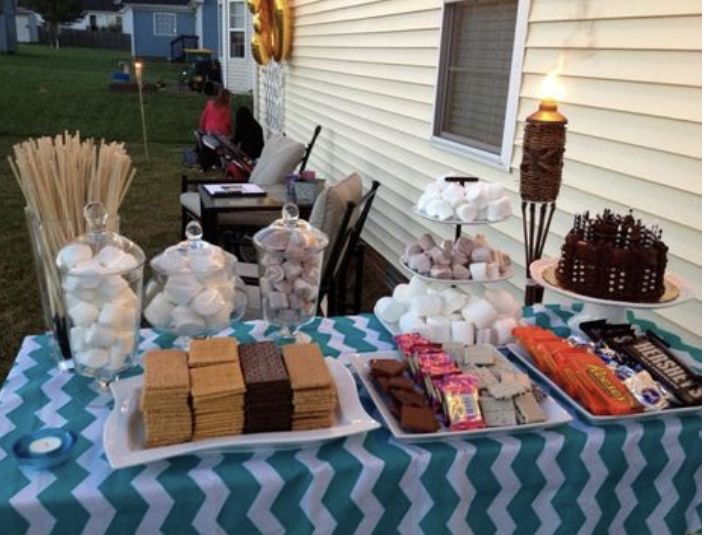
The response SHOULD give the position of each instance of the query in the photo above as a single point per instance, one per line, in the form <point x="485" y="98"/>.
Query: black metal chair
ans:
<point x="334" y="280"/>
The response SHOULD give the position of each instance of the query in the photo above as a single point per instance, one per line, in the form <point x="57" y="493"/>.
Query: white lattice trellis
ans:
<point x="273" y="86"/>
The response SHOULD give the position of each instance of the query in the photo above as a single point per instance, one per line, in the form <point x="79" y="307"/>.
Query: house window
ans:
<point x="93" y="22"/>
<point x="165" y="24"/>
<point x="478" y="76"/>
<point x="237" y="22"/>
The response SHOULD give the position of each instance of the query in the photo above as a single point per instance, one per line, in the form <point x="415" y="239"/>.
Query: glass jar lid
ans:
<point x="290" y="232"/>
<point x="99" y="251"/>
<point x="193" y="255"/>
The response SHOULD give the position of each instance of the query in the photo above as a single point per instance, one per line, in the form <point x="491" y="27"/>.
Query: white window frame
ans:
<point x="230" y="29"/>
<point x="166" y="14"/>
<point x="503" y="159"/>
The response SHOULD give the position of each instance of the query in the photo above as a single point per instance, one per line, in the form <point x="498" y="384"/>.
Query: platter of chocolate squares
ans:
<point x="431" y="391"/>
<point x="225" y="395"/>
<point x="612" y="259"/>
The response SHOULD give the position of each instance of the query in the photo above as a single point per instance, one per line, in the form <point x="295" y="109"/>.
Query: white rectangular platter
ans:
<point x="123" y="434"/>
<point x="524" y="357"/>
<point x="556" y="415"/>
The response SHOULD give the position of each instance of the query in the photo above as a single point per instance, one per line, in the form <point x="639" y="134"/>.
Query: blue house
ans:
<point x="154" y="24"/>
<point x="8" y="35"/>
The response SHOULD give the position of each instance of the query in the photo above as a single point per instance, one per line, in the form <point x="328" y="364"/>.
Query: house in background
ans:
<point x="154" y="24"/>
<point x="27" y="24"/>
<point x="98" y="15"/>
<point x="408" y="90"/>
<point x="238" y="65"/>
<point x="8" y="30"/>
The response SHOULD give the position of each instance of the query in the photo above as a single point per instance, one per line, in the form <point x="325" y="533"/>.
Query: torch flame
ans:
<point x="551" y="88"/>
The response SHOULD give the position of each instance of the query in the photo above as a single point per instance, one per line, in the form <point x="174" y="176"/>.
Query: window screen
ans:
<point x="237" y="22"/>
<point x="475" y="68"/>
<point x="164" y="24"/>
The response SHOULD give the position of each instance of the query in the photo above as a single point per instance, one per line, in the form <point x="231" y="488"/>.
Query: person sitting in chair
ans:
<point x="248" y="133"/>
<point x="217" y="115"/>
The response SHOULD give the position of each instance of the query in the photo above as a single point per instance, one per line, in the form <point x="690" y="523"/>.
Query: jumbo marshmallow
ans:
<point x="435" y="189"/>
<point x="453" y="300"/>
<point x="441" y="272"/>
<point x="126" y="341"/>
<point x="284" y="286"/>
<point x="83" y="314"/>
<point x="112" y="286"/>
<point x="94" y="358"/>
<point x="502" y="300"/>
<point x="503" y="329"/>
<point x="74" y="254"/>
<point x="462" y="332"/>
<point x="401" y="292"/>
<point x="426" y="242"/>
<point x="420" y="263"/>
<point x="158" y="311"/>
<point x="475" y="193"/>
<point x="410" y="323"/>
<point x="278" y="300"/>
<point x="480" y="313"/>
<point x="499" y="209"/>
<point x="217" y="322"/>
<point x="460" y="272"/>
<point x="209" y="302"/>
<point x="118" y="316"/>
<point x="417" y="286"/>
<point x="454" y="194"/>
<point x="123" y="264"/>
<point x="426" y="305"/>
<point x="305" y="290"/>
<point x="492" y="271"/>
<point x="494" y="191"/>
<point x="481" y="254"/>
<point x="100" y="335"/>
<point x="186" y="322"/>
<point x="478" y="271"/>
<point x="85" y="275"/>
<point x="292" y="269"/>
<point x="444" y="210"/>
<point x="389" y="309"/>
<point x="412" y="249"/>
<point x="182" y="288"/>
<point x="116" y="358"/>
<point x="423" y="201"/>
<point x="440" y="326"/>
<point x="206" y="263"/>
<point x="274" y="273"/>
<point x="77" y="339"/>
<point x="467" y="212"/>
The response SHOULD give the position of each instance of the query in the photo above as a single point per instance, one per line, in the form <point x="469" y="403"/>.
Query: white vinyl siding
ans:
<point x="366" y="71"/>
<point x="239" y="72"/>
<point x="164" y="23"/>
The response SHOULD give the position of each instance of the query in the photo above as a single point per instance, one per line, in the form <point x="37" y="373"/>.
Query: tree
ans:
<point x="55" y="12"/>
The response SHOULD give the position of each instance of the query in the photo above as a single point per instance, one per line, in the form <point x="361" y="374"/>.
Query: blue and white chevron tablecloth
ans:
<point x="622" y="478"/>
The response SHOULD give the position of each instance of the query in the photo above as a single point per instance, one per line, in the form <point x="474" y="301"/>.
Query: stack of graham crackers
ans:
<point x="268" y="398"/>
<point x="314" y="394"/>
<point x="167" y="414"/>
<point x="217" y="388"/>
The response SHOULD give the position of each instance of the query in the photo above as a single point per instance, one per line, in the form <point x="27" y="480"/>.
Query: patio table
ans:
<point x="635" y="477"/>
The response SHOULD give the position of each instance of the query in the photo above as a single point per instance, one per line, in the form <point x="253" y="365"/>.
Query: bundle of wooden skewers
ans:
<point x="58" y="177"/>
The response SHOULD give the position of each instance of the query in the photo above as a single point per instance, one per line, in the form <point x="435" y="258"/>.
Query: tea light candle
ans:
<point x="44" y="445"/>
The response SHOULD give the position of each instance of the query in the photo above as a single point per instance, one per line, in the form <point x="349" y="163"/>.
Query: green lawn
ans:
<point x="45" y="92"/>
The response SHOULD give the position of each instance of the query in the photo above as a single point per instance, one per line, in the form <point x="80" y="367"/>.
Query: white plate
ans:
<point x="455" y="222"/>
<point x="556" y="415"/>
<point x="524" y="357"/>
<point x="123" y="435"/>
<point x="455" y="282"/>
<point x="393" y="328"/>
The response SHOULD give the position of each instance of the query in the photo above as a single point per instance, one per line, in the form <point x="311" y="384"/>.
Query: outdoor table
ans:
<point x="276" y="196"/>
<point x="635" y="477"/>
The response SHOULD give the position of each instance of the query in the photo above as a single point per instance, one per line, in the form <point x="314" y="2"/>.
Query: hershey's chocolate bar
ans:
<point x="665" y="367"/>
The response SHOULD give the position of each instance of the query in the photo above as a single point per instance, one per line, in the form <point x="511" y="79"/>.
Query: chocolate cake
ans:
<point x="613" y="257"/>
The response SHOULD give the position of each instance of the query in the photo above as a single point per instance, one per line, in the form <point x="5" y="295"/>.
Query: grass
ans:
<point x="48" y="91"/>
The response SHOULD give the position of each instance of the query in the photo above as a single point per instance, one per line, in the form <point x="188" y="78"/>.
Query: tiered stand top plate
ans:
<point x="456" y="222"/>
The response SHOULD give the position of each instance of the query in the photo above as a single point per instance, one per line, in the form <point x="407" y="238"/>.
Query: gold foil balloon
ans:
<point x="273" y="30"/>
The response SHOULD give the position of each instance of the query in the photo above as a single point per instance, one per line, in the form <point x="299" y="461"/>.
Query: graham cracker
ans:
<point x="211" y="351"/>
<point x="306" y="366"/>
<point x="216" y="380"/>
<point x="166" y="369"/>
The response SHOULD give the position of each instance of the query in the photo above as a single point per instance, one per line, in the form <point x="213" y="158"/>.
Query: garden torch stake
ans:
<point x="138" y="74"/>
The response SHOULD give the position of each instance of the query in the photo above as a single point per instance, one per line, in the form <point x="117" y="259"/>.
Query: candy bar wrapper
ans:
<point x="421" y="350"/>
<point x="647" y="391"/>
<point x="433" y="375"/>
<point x="460" y="401"/>
<point x="427" y="358"/>
<point x="406" y="341"/>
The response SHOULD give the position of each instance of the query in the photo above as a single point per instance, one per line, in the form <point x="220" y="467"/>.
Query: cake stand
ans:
<point x="677" y="291"/>
<point x="454" y="282"/>
<point x="458" y="223"/>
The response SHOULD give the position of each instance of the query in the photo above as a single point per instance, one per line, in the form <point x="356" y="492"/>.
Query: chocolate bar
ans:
<point x="655" y="357"/>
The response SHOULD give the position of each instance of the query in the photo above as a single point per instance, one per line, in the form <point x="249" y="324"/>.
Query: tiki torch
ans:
<point x="541" y="175"/>
<point x="138" y="70"/>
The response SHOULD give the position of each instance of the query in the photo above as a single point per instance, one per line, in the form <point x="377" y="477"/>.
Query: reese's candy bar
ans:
<point x="654" y="356"/>
<point x="460" y="400"/>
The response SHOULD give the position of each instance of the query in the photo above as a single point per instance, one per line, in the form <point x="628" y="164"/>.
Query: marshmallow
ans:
<point x="158" y="311"/>
<point x="401" y="292"/>
<point x="389" y="310"/>
<point x="296" y="302"/>
<point x="438" y="256"/>
<point x="126" y="340"/>
<point x="186" y="322"/>
<point x="218" y="321"/>
<point x="116" y="358"/>
<point x="475" y="193"/>
<point x="453" y="194"/>
<point x="433" y="207"/>
<point x="83" y="314"/>
<point x="426" y="242"/>
<point x="412" y="249"/>
<point x="409" y="323"/>
<point x="118" y="316"/>
<point x="441" y="272"/>
<point x="111" y="286"/>
<point x="278" y="300"/>
<point x="440" y="327"/>
<point x="420" y="263"/>
<point x="453" y="300"/>
<point x="88" y="295"/>
<point x="462" y="332"/>
<point x="126" y="297"/>
<point x="239" y="303"/>
<point x="435" y="189"/>
<point x="305" y="290"/>
<point x="423" y="201"/>
<point x="492" y="271"/>
<point x="209" y="302"/>
<point x="481" y="254"/>
<point x="464" y="245"/>
<point x="502" y="300"/>
<point x="478" y="270"/>
<point x="447" y="247"/>
<point x="499" y="209"/>
<point x="274" y="273"/>
<point x="77" y="339"/>
<point x="276" y="240"/>
<point x="171" y="262"/>
<point x="456" y="257"/>
<point x="417" y="286"/>
<point x="494" y="191"/>
<point x="467" y="212"/>
<point x="460" y="272"/>
<point x="484" y="336"/>
<point x="292" y="269"/>
<point x="480" y="313"/>
<point x="74" y="254"/>
<point x="94" y="358"/>
<point x="87" y="275"/>
<point x="100" y="335"/>
<point x="503" y="328"/>
<point x="444" y="210"/>
<point x="182" y="288"/>
<point x="284" y="286"/>
<point x="426" y="305"/>
<point x="126" y="262"/>
<point x="109" y="255"/>
<point x="205" y="262"/>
